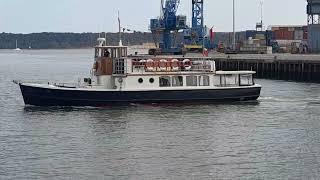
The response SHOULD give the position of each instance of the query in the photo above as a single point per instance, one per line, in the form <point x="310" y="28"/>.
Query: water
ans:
<point x="277" y="137"/>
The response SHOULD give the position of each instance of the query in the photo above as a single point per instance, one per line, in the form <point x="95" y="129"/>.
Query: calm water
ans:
<point x="276" y="138"/>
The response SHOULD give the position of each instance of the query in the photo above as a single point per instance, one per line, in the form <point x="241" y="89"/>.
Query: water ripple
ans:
<point x="277" y="137"/>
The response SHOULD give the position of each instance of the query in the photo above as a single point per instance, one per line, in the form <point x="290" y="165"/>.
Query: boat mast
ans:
<point x="120" y="40"/>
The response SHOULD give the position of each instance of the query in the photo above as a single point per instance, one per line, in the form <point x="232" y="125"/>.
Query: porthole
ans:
<point x="140" y="80"/>
<point x="151" y="80"/>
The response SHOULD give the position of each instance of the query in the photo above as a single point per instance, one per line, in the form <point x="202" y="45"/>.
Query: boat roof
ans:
<point x="144" y="56"/>
<point x="234" y="72"/>
<point x="111" y="46"/>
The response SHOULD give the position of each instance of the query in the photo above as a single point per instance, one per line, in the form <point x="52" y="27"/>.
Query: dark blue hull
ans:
<point x="39" y="96"/>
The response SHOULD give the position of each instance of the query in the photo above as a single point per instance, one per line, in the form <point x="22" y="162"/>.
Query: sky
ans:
<point x="27" y="16"/>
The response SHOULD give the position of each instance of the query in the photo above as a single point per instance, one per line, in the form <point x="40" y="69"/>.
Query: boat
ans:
<point x="118" y="78"/>
<point x="17" y="48"/>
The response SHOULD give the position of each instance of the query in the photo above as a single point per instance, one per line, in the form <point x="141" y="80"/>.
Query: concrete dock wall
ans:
<point x="305" y="68"/>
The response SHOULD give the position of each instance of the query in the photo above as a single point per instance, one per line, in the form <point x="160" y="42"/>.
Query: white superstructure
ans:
<point x="114" y="70"/>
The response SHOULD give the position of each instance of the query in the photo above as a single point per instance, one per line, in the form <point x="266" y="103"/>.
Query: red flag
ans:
<point x="212" y="34"/>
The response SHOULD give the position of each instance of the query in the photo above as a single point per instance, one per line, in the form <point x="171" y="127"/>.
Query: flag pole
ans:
<point x="120" y="40"/>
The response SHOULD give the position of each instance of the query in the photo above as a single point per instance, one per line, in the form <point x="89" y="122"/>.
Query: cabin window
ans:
<point x="229" y="80"/>
<point x="204" y="81"/>
<point x="114" y="53"/>
<point x="140" y="80"/>
<point x="97" y="52"/>
<point x="246" y="80"/>
<point x="177" y="81"/>
<point x="119" y="66"/>
<point x="165" y="81"/>
<point x="123" y="52"/>
<point x="216" y="80"/>
<point x="151" y="80"/>
<point x="192" y="80"/>
<point x="106" y="53"/>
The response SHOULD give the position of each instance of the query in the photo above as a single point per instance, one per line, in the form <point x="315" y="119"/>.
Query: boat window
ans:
<point x="151" y="80"/>
<point x="123" y="52"/>
<point x="204" y="81"/>
<point x="246" y="80"/>
<point x="114" y="53"/>
<point x="97" y="52"/>
<point x="177" y="81"/>
<point x="119" y="66"/>
<point x="140" y="80"/>
<point x="192" y="80"/>
<point x="216" y="80"/>
<point x="229" y="80"/>
<point x="165" y="81"/>
<point x="106" y="53"/>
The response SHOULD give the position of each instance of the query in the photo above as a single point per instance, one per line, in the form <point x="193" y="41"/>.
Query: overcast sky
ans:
<point x="25" y="16"/>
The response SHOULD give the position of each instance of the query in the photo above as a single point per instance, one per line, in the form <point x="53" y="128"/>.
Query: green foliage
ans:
<point x="50" y="40"/>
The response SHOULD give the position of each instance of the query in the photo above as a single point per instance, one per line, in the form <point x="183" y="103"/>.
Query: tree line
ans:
<point x="50" y="40"/>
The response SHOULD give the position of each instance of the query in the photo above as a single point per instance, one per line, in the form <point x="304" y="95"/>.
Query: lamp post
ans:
<point x="234" y="26"/>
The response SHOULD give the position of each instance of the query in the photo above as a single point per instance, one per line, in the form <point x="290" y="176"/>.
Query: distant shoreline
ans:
<point x="51" y="40"/>
<point x="68" y="40"/>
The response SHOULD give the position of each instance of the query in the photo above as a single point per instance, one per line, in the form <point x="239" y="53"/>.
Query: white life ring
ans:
<point x="142" y="62"/>
<point x="150" y="65"/>
<point x="175" y="64"/>
<point x="163" y="65"/>
<point x="187" y="64"/>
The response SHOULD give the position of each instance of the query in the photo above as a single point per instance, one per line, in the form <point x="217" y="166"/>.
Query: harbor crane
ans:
<point x="165" y="28"/>
<point x="194" y="36"/>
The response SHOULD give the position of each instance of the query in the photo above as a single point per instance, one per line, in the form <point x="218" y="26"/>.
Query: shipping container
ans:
<point x="314" y="38"/>
<point x="285" y="43"/>
<point x="291" y="29"/>
<point x="289" y="32"/>
<point x="305" y="32"/>
<point x="284" y="34"/>
<point x="255" y="34"/>
<point x="260" y="35"/>
<point x="298" y="34"/>
<point x="251" y="33"/>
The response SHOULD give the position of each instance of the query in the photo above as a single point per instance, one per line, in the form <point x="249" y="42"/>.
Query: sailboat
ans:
<point x="17" y="49"/>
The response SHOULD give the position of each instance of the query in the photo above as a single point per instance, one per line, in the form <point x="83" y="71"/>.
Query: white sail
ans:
<point x="17" y="48"/>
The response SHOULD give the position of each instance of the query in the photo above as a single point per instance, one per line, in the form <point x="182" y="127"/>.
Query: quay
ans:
<point x="296" y="67"/>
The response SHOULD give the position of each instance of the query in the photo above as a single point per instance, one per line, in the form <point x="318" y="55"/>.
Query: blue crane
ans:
<point x="197" y="19"/>
<point x="167" y="27"/>
<point x="194" y="36"/>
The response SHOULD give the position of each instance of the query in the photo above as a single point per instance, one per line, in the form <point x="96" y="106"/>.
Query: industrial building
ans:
<point x="313" y="11"/>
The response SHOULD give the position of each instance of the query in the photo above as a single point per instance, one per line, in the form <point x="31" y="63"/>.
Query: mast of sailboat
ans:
<point x="120" y="40"/>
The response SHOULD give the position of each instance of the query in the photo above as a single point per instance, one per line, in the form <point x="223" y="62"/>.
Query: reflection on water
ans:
<point x="276" y="137"/>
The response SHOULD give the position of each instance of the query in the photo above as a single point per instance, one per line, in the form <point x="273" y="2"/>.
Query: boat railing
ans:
<point x="194" y="66"/>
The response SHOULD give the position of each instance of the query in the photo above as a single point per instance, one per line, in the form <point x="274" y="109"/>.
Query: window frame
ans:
<point x="177" y="84"/>
<point x="194" y="81"/>
<point x="168" y="78"/>
<point x="201" y="80"/>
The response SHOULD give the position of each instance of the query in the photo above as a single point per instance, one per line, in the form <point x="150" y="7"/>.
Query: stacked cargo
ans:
<point x="283" y="33"/>
<point x="290" y="32"/>
<point x="256" y="43"/>
<point x="289" y="36"/>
